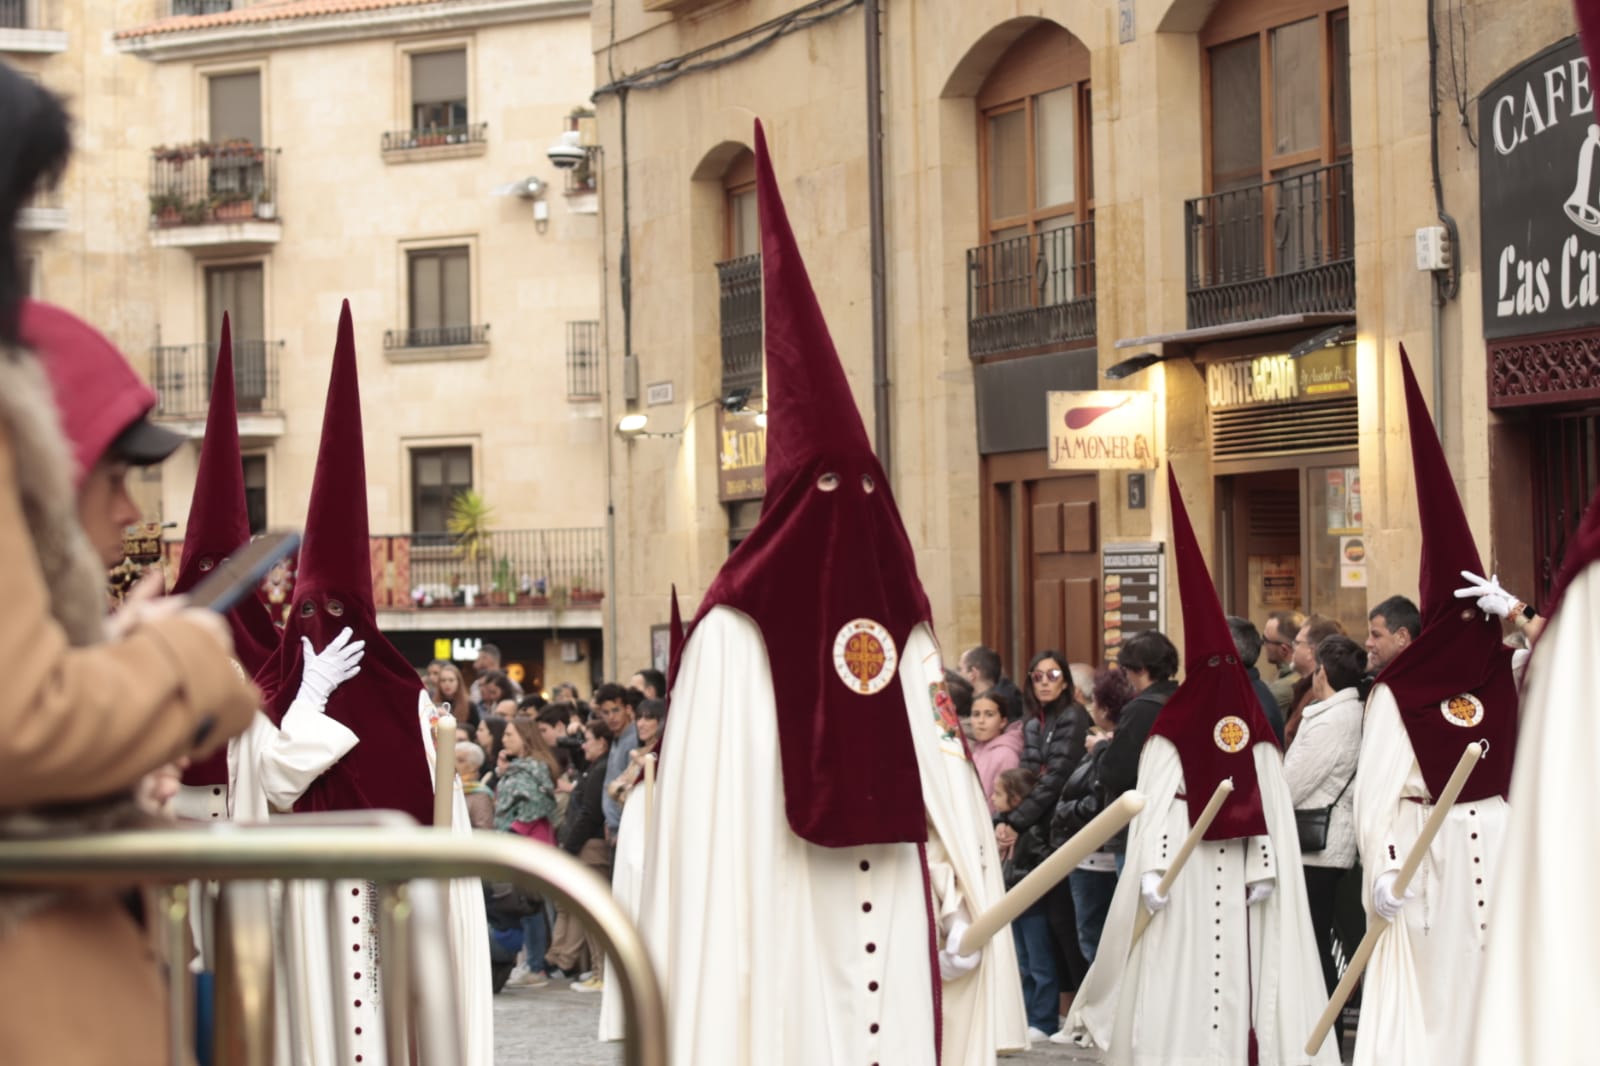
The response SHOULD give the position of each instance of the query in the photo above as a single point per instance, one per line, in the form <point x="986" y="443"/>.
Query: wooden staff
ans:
<point x="1142" y="916"/>
<point x="1402" y="881"/>
<point x="1052" y="871"/>
<point x="444" y="770"/>
<point x="649" y="792"/>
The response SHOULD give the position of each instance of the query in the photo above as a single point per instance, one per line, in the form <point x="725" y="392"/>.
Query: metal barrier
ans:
<point x="407" y="862"/>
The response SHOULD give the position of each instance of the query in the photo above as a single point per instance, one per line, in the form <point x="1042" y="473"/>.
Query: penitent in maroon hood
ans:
<point x="219" y="524"/>
<point x="827" y="575"/>
<point x="1214" y="719"/>
<point x="388" y="768"/>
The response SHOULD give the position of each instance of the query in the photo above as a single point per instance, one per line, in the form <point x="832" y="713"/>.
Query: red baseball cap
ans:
<point x="104" y="405"/>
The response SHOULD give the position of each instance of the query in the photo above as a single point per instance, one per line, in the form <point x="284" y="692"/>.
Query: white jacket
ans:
<point x="1320" y="764"/>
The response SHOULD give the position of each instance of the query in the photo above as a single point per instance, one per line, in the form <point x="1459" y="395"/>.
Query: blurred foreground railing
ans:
<point x="406" y="862"/>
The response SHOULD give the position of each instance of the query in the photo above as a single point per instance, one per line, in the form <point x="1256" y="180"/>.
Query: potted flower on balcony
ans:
<point x="234" y="207"/>
<point x="166" y="208"/>
<point x="504" y="591"/>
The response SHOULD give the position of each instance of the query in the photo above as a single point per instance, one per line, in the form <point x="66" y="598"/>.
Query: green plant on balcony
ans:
<point x="166" y="207"/>
<point x="505" y="589"/>
<point x="469" y="523"/>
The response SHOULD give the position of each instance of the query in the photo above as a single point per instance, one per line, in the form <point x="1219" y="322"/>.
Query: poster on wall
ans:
<point x="1352" y="562"/>
<point x="660" y="647"/>
<point x="1134" y="581"/>
<point x="1344" y="500"/>
<point x="1280" y="581"/>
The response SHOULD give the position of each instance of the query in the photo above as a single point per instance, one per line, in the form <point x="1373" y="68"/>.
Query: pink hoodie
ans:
<point x="994" y="757"/>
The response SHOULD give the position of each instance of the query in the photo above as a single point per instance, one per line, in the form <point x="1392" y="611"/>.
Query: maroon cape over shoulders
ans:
<point x="827" y="575"/>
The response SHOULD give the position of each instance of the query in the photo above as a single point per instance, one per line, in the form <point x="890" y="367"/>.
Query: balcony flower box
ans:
<point x="237" y="211"/>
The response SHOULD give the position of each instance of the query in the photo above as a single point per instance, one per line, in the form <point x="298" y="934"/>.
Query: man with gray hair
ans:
<point x="1277" y="640"/>
<point x="1247" y="641"/>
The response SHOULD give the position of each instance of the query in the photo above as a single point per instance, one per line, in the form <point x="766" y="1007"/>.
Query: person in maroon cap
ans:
<point x="1454" y="685"/>
<point x="372" y="728"/>
<point x="819" y="838"/>
<point x="86" y="719"/>
<point x="1227" y="971"/>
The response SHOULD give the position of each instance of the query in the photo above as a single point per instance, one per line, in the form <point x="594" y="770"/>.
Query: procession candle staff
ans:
<point x="820" y="842"/>
<point x="1230" y="972"/>
<point x="1202" y="825"/>
<point x="1454" y="684"/>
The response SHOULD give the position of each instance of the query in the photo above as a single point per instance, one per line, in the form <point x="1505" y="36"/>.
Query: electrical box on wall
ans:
<point x="1433" y="248"/>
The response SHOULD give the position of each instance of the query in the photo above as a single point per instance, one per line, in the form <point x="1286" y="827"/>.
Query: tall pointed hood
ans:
<point x="1214" y="719"/>
<point x="219" y="524"/>
<point x="828" y="575"/>
<point x="1453" y="683"/>
<point x="388" y="768"/>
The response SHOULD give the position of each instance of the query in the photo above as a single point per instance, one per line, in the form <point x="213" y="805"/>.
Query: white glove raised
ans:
<point x="1492" y="599"/>
<point x="1148" y="884"/>
<point x="953" y="964"/>
<point x="1384" y="901"/>
<point x="1256" y="891"/>
<point x="324" y="671"/>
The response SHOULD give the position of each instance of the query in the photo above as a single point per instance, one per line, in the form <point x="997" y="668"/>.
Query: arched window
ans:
<point x="739" y="192"/>
<point x="739" y="277"/>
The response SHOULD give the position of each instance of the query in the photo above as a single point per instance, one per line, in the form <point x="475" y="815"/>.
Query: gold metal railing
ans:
<point x="408" y="863"/>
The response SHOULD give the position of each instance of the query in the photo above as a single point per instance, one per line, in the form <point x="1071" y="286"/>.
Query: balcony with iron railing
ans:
<point x="556" y="570"/>
<point x="463" y="340"/>
<point x="202" y="7"/>
<point x="583" y="361"/>
<point x="214" y="196"/>
<point x="739" y="286"/>
<point x="1032" y="292"/>
<point x="1281" y="247"/>
<point x="20" y="30"/>
<point x="183" y="375"/>
<point x="435" y="142"/>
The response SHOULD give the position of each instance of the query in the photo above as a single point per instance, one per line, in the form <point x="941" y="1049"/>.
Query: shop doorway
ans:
<point x="1292" y="538"/>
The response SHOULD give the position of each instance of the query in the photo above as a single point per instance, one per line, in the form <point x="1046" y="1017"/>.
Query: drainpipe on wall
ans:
<point x="882" y="417"/>
<point x="1446" y="283"/>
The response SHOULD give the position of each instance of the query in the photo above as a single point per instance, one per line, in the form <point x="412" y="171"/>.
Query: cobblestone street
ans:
<point x="555" y="1026"/>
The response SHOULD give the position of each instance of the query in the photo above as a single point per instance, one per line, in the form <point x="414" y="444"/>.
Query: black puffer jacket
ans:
<point x="1080" y="799"/>
<point x="1051" y="748"/>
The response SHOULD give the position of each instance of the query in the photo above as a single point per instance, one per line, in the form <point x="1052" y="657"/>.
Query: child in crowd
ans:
<point x="1031" y="928"/>
<point x="996" y="742"/>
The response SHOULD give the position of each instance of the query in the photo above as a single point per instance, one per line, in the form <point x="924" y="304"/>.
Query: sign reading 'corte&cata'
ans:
<point x="1102" y="431"/>
<point x="1539" y="196"/>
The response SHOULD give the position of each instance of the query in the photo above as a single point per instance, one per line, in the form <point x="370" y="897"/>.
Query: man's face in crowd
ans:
<point x="1279" y="649"/>
<point x="1383" y="644"/>
<point x="968" y="671"/>
<point x="484" y="661"/>
<point x="615" y="715"/>
<point x="639" y="684"/>
<point x="105" y="509"/>
<point x="490" y="690"/>
<point x="1305" y="656"/>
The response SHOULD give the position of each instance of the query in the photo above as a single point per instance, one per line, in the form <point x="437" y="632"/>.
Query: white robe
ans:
<point x="1182" y="995"/>
<point x="1423" y="975"/>
<point x="1540" y="978"/>
<point x="627" y="879"/>
<point x="269" y="769"/>
<point x="777" y="951"/>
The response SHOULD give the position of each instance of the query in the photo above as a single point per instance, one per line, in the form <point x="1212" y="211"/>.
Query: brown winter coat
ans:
<point x="81" y="722"/>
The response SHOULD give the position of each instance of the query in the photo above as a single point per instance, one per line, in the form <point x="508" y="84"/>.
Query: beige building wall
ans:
<point x="331" y="87"/>
<point x="1148" y="140"/>
<point x="87" y="239"/>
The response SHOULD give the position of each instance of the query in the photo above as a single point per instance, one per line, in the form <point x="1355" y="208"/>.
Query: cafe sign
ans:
<point x="1102" y="431"/>
<point x="1270" y="380"/>
<point x="741" y="456"/>
<point x="1539" y="196"/>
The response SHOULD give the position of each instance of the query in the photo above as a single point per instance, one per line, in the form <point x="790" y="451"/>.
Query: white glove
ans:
<point x="1384" y="901"/>
<point x="1256" y="891"/>
<point x="333" y="666"/>
<point x="953" y="964"/>
<point x="1148" y="883"/>
<point x="1492" y="599"/>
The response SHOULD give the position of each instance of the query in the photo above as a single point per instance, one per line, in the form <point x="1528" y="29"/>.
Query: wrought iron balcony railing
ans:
<point x="1032" y="291"/>
<point x="739" y="281"/>
<point x="184" y="373"/>
<point x="436" y="137"/>
<point x="583" y="360"/>
<point x="1281" y="247"/>
<point x="202" y="183"/>
<point x="436" y="336"/>
<point x="549" y="568"/>
<point x="201" y="7"/>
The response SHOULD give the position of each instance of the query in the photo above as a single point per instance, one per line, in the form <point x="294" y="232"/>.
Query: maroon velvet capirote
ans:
<point x="388" y="767"/>
<point x="1460" y="651"/>
<point x="828" y="549"/>
<point x="219" y="524"/>
<point x="1214" y="719"/>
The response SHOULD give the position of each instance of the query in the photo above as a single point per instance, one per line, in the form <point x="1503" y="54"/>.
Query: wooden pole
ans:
<point x="444" y="770"/>
<point x="1141" y="916"/>
<point x="1052" y="870"/>
<point x="649" y="793"/>
<point x="1378" y="924"/>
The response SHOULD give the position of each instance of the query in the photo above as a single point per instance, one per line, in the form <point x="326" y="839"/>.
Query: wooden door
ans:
<point x="1261" y="544"/>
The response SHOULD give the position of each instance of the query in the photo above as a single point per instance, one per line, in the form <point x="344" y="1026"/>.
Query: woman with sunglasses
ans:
<point x="1052" y="745"/>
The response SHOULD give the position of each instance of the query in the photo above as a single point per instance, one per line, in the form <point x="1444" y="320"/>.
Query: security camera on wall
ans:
<point x="567" y="152"/>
